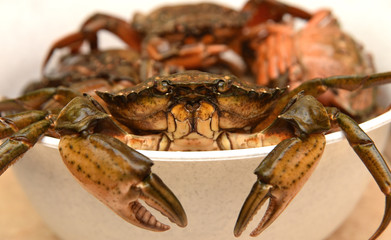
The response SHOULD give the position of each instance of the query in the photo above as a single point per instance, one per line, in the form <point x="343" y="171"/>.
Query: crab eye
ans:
<point x="162" y="86"/>
<point x="222" y="86"/>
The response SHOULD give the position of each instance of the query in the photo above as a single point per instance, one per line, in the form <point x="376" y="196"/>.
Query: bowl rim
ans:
<point x="238" y="154"/>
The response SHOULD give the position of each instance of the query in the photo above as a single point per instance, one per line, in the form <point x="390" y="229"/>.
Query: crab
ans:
<point x="283" y="55"/>
<point x="177" y="36"/>
<point x="190" y="110"/>
<point x="110" y="70"/>
<point x="259" y="43"/>
<point x="128" y="106"/>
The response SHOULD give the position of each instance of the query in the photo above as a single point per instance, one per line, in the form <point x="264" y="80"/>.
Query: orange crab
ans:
<point x="259" y="43"/>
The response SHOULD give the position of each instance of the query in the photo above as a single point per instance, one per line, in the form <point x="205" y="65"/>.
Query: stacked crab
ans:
<point x="189" y="83"/>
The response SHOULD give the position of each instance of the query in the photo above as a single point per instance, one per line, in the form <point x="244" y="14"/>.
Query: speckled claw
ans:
<point x="157" y="195"/>
<point x="281" y="175"/>
<point x="119" y="176"/>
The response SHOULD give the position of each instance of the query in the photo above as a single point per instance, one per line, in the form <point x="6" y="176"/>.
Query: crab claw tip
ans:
<point x="259" y="193"/>
<point x="254" y="201"/>
<point x="157" y="195"/>
<point x="386" y="219"/>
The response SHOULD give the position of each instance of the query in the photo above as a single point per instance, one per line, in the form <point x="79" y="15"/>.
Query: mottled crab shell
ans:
<point x="145" y="106"/>
<point x="109" y="64"/>
<point x="185" y="18"/>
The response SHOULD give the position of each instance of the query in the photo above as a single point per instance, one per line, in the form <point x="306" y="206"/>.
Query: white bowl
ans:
<point x="211" y="185"/>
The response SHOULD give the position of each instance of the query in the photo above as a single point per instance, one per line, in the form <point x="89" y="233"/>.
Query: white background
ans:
<point x="28" y="27"/>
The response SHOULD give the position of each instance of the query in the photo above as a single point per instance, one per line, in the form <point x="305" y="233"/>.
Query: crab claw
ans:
<point x="280" y="177"/>
<point x="157" y="195"/>
<point x="119" y="176"/>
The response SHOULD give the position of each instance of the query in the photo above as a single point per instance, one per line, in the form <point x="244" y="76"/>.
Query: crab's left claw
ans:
<point x="119" y="176"/>
<point x="157" y="195"/>
<point x="280" y="177"/>
<point x="259" y="193"/>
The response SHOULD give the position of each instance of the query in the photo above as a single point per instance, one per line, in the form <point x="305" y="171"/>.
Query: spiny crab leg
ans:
<point x="280" y="177"/>
<point x="112" y="171"/>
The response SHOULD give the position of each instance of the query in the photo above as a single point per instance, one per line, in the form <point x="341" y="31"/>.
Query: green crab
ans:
<point x="191" y="110"/>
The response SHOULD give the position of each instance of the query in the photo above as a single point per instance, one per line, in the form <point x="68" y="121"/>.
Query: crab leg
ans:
<point x="280" y="177"/>
<point x="89" y="30"/>
<point x="31" y="100"/>
<point x="39" y="99"/>
<point x="12" y="123"/>
<point x="119" y="176"/>
<point x="18" y="143"/>
<point x="317" y="86"/>
<point x="25" y="128"/>
<point x="264" y="10"/>
<point x="115" y="25"/>
<point x="73" y="41"/>
<point x="371" y="157"/>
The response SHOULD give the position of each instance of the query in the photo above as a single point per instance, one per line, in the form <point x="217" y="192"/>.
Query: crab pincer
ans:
<point x="285" y="170"/>
<point x="112" y="171"/>
<point x="280" y="177"/>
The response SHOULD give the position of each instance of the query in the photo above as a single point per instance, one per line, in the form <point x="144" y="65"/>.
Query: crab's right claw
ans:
<point x="119" y="176"/>
<point x="280" y="177"/>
